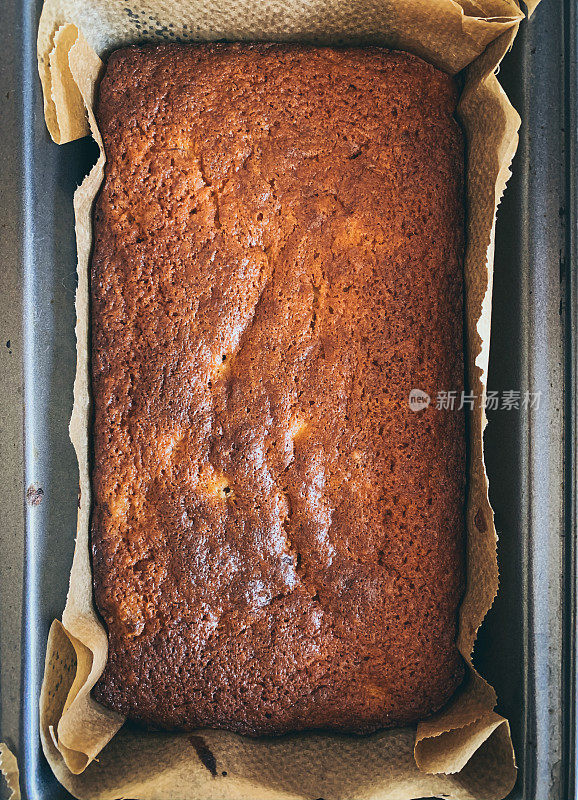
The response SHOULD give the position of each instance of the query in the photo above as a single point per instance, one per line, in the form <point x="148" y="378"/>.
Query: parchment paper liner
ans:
<point x="9" y="769"/>
<point x="467" y="745"/>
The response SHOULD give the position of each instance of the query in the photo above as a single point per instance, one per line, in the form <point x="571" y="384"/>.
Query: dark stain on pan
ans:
<point x="34" y="494"/>
<point x="204" y="753"/>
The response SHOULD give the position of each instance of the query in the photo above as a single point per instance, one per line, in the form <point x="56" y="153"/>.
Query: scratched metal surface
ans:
<point x="527" y="645"/>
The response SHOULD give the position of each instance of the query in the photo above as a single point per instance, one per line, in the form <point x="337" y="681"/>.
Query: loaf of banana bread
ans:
<point x="277" y="533"/>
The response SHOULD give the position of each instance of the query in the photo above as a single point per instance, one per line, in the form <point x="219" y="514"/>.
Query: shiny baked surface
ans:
<point x="277" y="537"/>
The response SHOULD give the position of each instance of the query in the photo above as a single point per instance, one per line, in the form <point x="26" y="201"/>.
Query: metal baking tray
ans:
<point x="527" y="646"/>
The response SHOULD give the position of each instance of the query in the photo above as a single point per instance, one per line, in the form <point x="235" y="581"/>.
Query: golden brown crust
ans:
<point x="277" y="536"/>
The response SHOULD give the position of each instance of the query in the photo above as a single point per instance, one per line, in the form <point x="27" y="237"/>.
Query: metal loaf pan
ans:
<point x="526" y="647"/>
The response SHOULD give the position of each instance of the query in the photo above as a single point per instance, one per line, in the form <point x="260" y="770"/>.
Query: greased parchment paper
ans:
<point x="465" y="751"/>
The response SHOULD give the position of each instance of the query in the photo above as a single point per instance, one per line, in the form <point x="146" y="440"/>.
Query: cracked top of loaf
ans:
<point x="277" y="537"/>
